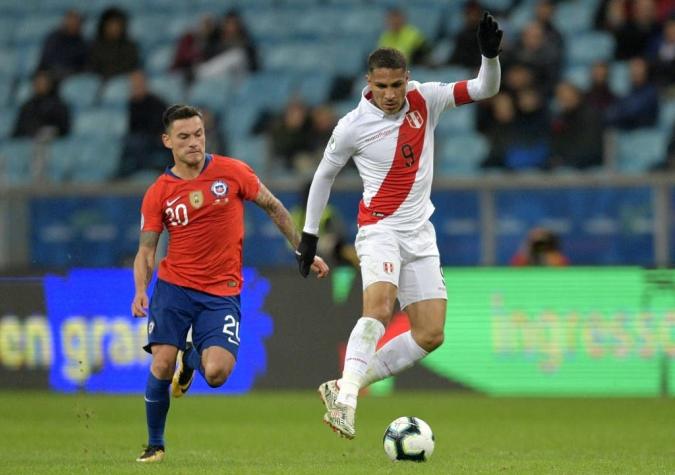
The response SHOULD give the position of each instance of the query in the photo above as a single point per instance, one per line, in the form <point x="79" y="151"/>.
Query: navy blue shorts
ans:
<point x="173" y="309"/>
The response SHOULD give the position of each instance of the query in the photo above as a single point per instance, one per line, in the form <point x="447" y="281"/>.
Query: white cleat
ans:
<point x="341" y="419"/>
<point x="329" y="392"/>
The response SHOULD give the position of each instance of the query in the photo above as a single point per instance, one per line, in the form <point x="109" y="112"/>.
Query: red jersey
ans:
<point x="205" y="221"/>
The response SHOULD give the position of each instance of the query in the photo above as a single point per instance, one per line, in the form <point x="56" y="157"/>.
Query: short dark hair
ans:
<point x="177" y="112"/>
<point x="389" y="58"/>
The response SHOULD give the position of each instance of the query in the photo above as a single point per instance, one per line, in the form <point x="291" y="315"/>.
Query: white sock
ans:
<point x="397" y="354"/>
<point x="360" y="350"/>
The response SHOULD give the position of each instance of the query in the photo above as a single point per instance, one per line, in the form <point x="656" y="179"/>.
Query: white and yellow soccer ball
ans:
<point x="409" y="438"/>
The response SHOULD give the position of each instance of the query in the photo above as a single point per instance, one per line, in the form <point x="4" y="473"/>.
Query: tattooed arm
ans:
<point x="282" y="218"/>
<point x="144" y="264"/>
<point x="279" y="214"/>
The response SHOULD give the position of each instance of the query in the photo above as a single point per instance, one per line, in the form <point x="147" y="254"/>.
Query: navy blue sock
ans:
<point x="156" y="407"/>
<point x="194" y="360"/>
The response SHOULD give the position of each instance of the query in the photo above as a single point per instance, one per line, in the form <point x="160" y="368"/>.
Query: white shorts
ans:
<point x="407" y="259"/>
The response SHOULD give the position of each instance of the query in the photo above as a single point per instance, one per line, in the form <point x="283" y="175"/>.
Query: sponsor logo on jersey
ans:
<point x="331" y="143"/>
<point x="415" y="120"/>
<point x="388" y="267"/>
<point x="196" y="199"/>
<point x="219" y="188"/>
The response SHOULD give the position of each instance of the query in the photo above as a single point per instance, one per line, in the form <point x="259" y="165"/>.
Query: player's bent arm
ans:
<point x="279" y="215"/>
<point x="319" y="193"/>
<point x="487" y="83"/>
<point x="144" y="263"/>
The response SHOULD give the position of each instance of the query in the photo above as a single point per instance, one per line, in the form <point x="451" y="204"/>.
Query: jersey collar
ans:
<point x="373" y="109"/>
<point x="207" y="160"/>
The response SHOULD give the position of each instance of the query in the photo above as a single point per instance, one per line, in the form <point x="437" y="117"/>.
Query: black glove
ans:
<point x="306" y="252"/>
<point x="489" y="36"/>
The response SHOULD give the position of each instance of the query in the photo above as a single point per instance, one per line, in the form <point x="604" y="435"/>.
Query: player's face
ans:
<point x="187" y="140"/>
<point x="388" y="87"/>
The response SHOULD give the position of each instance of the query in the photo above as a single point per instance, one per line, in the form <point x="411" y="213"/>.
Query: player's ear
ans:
<point x="166" y="140"/>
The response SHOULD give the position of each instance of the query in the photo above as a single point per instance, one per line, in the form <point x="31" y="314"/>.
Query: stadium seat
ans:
<point x="252" y="150"/>
<point x="9" y="65"/>
<point x="667" y="115"/>
<point x="115" y="92"/>
<point x="7" y="119"/>
<point x="239" y="120"/>
<point x="425" y="18"/>
<point x="314" y="87"/>
<point x="297" y="56"/>
<point x="160" y="59"/>
<point x="169" y="87"/>
<point x="28" y="57"/>
<point x="461" y="155"/>
<point x="63" y="158"/>
<point x="458" y="120"/>
<point x="587" y="48"/>
<point x="5" y="89"/>
<point x="212" y="92"/>
<point x="100" y="122"/>
<point x="7" y="26"/>
<point x="496" y="5"/>
<point x="81" y="91"/>
<point x="16" y="157"/>
<point x="98" y="160"/>
<point x="268" y="90"/>
<point x="23" y="92"/>
<point x="33" y="28"/>
<point x="573" y="17"/>
<point x="619" y="78"/>
<point x="640" y="150"/>
<point x="579" y="75"/>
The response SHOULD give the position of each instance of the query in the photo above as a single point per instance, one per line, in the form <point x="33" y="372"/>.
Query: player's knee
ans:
<point x="216" y="375"/>
<point x="163" y="368"/>
<point x="431" y="340"/>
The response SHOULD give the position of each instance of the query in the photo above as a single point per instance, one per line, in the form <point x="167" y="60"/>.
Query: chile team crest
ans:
<point x="219" y="188"/>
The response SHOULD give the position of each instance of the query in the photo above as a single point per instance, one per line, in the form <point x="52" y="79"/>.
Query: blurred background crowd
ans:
<point x="588" y="85"/>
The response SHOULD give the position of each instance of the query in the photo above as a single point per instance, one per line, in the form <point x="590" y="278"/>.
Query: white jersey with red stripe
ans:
<point x="394" y="153"/>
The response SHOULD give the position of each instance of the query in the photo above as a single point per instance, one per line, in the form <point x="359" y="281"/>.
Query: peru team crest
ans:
<point x="219" y="188"/>
<point x="196" y="199"/>
<point x="415" y="120"/>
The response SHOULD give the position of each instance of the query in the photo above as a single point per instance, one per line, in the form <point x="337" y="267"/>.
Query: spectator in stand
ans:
<point x="231" y="51"/>
<point x="663" y="59"/>
<point x="640" y="108"/>
<point x="192" y="47"/>
<point x="290" y="135"/>
<point x="143" y="148"/>
<point x="540" y="248"/>
<point x="214" y="136"/>
<point x="502" y="130"/>
<point x="113" y="52"/>
<point x="535" y="51"/>
<point x="45" y="114"/>
<point x="635" y="26"/>
<point x="405" y="37"/>
<point x="544" y="11"/>
<point x="322" y="123"/>
<point x="64" y="51"/>
<point x="467" y="52"/>
<point x="599" y="95"/>
<point x="576" y="131"/>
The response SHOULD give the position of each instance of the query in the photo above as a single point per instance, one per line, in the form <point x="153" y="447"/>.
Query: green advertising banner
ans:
<point x="569" y="331"/>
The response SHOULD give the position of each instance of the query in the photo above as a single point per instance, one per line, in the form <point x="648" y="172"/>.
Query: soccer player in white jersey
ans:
<point x="390" y="137"/>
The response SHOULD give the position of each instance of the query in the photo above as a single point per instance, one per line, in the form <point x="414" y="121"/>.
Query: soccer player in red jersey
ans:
<point x="200" y="202"/>
<point x="390" y="137"/>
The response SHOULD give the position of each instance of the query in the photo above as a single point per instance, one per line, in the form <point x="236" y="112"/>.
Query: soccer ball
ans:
<point x="409" y="438"/>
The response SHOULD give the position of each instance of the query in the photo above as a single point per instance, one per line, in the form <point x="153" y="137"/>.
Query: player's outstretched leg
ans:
<point x="185" y="371"/>
<point x="342" y="419"/>
<point x="151" y="453"/>
<point x="328" y="392"/>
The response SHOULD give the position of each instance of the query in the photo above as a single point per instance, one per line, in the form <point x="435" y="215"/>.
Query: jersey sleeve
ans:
<point x="249" y="183"/>
<point x="441" y="96"/>
<point x="151" y="211"/>
<point x="340" y="147"/>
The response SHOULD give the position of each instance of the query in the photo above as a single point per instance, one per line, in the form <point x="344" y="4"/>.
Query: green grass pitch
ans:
<point x="282" y="433"/>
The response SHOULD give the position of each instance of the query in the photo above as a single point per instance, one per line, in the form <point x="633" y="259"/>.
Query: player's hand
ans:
<point x="305" y="252"/>
<point x="139" y="305"/>
<point x="320" y="268"/>
<point x="489" y="36"/>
